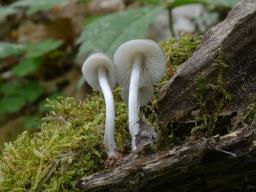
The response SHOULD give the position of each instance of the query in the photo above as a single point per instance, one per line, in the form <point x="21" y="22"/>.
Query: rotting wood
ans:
<point x="224" y="163"/>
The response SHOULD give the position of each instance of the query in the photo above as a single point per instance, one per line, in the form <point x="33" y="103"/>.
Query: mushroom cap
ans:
<point x="145" y="95"/>
<point x="153" y="61"/>
<point x="91" y="67"/>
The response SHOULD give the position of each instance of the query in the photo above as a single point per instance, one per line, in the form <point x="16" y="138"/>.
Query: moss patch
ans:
<point x="178" y="51"/>
<point x="68" y="146"/>
<point x="248" y="117"/>
<point x="210" y="100"/>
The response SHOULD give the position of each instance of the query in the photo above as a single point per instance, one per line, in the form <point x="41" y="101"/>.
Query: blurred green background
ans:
<point x="44" y="43"/>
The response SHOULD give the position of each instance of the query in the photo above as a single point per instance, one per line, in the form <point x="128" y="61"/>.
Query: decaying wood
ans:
<point x="217" y="164"/>
<point x="235" y="38"/>
<point x="226" y="163"/>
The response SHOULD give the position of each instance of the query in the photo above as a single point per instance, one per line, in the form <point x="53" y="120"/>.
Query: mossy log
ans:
<point x="235" y="40"/>
<point x="219" y="163"/>
<point x="224" y="163"/>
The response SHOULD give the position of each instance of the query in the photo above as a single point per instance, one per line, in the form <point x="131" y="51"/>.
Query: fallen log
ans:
<point x="224" y="163"/>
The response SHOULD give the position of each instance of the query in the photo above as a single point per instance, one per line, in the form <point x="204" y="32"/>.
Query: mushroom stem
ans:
<point x="109" y="140"/>
<point x="133" y="106"/>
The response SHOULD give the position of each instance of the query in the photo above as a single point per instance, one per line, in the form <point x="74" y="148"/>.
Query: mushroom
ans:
<point x="139" y="63"/>
<point x="98" y="70"/>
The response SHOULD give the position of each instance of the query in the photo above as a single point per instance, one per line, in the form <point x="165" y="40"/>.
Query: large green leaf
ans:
<point x="108" y="32"/>
<point x="38" y="5"/>
<point x="221" y="3"/>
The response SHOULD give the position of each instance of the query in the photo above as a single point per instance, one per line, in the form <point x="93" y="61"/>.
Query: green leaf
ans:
<point x="11" y="88"/>
<point x="32" y="49"/>
<point x="41" y="48"/>
<point x="35" y="5"/>
<point x="108" y="32"/>
<point x="11" y="104"/>
<point x="27" y="66"/>
<point x="5" y="11"/>
<point x="31" y="91"/>
<point x="11" y="49"/>
<point x="221" y="3"/>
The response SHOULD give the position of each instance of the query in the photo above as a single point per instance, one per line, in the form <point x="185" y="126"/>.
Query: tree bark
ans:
<point x="235" y="39"/>
<point x="220" y="163"/>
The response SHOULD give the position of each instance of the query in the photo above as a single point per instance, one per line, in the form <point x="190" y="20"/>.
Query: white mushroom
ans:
<point x="98" y="70"/>
<point x="139" y="63"/>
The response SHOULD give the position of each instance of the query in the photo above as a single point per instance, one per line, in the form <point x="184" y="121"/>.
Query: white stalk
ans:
<point x="133" y="107"/>
<point x="109" y="138"/>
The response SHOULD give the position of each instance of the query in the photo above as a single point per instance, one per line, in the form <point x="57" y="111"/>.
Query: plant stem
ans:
<point x="109" y="138"/>
<point x="171" y="22"/>
<point x="133" y="107"/>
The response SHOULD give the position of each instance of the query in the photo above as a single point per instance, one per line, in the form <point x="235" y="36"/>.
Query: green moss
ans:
<point x="247" y="117"/>
<point x="178" y="51"/>
<point x="210" y="99"/>
<point x="68" y="146"/>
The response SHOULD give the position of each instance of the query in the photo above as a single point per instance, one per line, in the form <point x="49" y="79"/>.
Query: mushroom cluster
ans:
<point x="138" y="65"/>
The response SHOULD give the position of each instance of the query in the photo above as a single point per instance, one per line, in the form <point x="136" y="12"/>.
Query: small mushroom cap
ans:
<point x="91" y="67"/>
<point x="153" y="61"/>
<point x="145" y="95"/>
